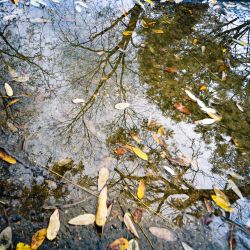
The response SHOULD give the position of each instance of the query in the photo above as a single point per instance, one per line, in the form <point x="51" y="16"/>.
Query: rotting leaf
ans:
<point x="141" y="189"/>
<point x="83" y="220"/>
<point x="129" y="224"/>
<point x="120" y="151"/>
<point x="102" y="210"/>
<point x="103" y="178"/>
<point x="137" y="216"/>
<point x="22" y="246"/>
<point x="119" y="244"/>
<point x="222" y="203"/>
<point x="182" y="108"/>
<point x="38" y="238"/>
<point x="171" y="70"/>
<point x="138" y="152"/>
<point x="6" y="157"/>
<point x="163" y="233"/>
<point x="54" y="225"/>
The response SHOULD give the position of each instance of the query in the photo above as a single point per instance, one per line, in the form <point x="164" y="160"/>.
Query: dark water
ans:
<point x="115" y="52"/>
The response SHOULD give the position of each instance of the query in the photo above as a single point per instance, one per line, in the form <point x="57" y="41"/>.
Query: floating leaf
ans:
<point x="102" y="210"/>
<point x="222" y="203"/>
<point x="161" y="130"/>
<point x="135" y="137"/>
<point x="137" y="215"/>
<point x="119" y="244"/>
<point x="216" y="117"/>
<point x="4" y="156"/>
<point x="191" y="95"/>
<point x="138" y="152"/>
<point x="206" y="121"/>
<point x="235" y="188"/>
<point x="133" y="245"/>
<point x="141" y="189"/>
<point x="122" y="105"/>
<point x="186" y="246"/>
<point x="163" y="233"/>
<point x="129" y="224"/>
<point x="54" y="225"/>
<point x="12" y="102"/>
<point x="120" y="151"/>
<point x="127" y="33"/>
<point x="171" y="70"/>
<point x="203" y="87"/>
<point x="103" y="178"/>
<point x="22" y="246"/>
<point x="38" y="238"/>
<point x="170" y="170"/>
<point x="8" y="89"/>
<point x="158" y="31"/>
<point x="219" y="193"/>
<point x="78" y="100"/>
<point x="182" y="108"/>
<point x="83" y="220"/>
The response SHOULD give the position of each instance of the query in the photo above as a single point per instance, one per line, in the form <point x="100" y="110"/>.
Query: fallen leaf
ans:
<point x="12" y="102"/>
<point x="239" y="107"/>
<point x="138" y="152"/>
<point x="38" y="238"/>
<point x="222" y="203"/>
<point x="195" y="41"/>
<point x="133" y="245"/>
<point x="137" y="216"/>
<point x="103" y="178"/>
<point x="8" y="89"/>
<point x="186" y="246"/>
<point x="78" y="100"/>
<point x="206" y="121"/>
<point x="161" y="130"/>
<point x="119" y="244"/>
<point x="203" y="49"/>
<point x="141" y="189"/>
<point x="234" y="187"/>
<point x="120" y="151"/>
<point x="64" y="162"/>
<point x="102" y="210"/>
<point x="163" y="233"/>
<point x="170" y="170"/>
<point x="182" y="108"/>
<point x="54" y="225"/>
<point x="158" y="31"/>
<point x="135" y="137"/>
<point x="208" y="110"/>
<point x="191" y="95"/>
<point x="129" y="224"/>
<point x="83" y="220"/>
<point x="4" y="156"/>
<point x="203" y="87"/>
<point x="127" y="33"/>
<point x="22" y="78"/>
<point x="236" y="176"/>
<point x="157" y="138"/>
<point x="219" y="193"/>
<point x="150" y="2"/>
<point x="208" y="205"/>
<point x="22" y="246"/>
<point x="122" y="105"/>
<point x="171" y="70"/>
<point x="216" y="117"/>
<point x="6" y="238"/>
<point x="201" y="103"/>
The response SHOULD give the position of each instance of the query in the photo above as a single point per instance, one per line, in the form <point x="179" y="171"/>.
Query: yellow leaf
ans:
<point x="135" y="137"/>
<point x="102" y="210"/>
<point x="222" y="203"/>
<point x="158" y="31"/>
<point x="4" y="156"/>
<point x="127" y="33"/>
<point x="161" y="131"/>
<point x="195" y="41"/>
<point x="119" y="244"/>
<point x="38" y="238"/>
<point x="219" y="193"/>
<point x="150" y="2"/>
<point x="22" y="246"/>
<point x="203" y="87"/>
<point x="138" y="152"/>
<point x="54" y="225"/>
<point x="216" y="117"/>
<point x="141" y="189"/>
<point x="12" y="102"/>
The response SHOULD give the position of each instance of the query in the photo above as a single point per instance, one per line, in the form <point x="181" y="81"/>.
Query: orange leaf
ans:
<point x="38" y="238"/>
<point x="182" y="108"/>
<point x="4" y="156"/>
<point x="120" y="151"/>
<point x="171" y="70"/>
<point x="119" y="244"/>
<point x="137" y="215"/>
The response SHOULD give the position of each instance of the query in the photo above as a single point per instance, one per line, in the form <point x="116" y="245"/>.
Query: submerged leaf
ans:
<point x="103" y="178"/>
<point x="102" y="210"/>
<point x="137" y="216"/>
<point x="182" y="108"/>
<point x="222" y="203"/>
<point x="38" y="238"/>
<point x="22" y="246"/>
<point x="120" y="151"/>
<point x="171" y="70"/>
<point x="138" y="152"/>
<point x="122" y="105"/>
<point x="127" y="33"/>
<point x="207" y="121"/>
<point x="130" y="225"/>
<point x="235" y="188"/>
<point x="83" y="220"/>
<point x="4" y="156"/>
<point x="141" y="189"/>
<point x="54" y="225"/>
<point x="163" y="233"/>
<point x="119" y="244"/>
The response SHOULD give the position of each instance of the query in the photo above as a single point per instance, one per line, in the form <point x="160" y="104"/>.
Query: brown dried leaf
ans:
<point x="137" y="215"/>
<point x="171" y="70"/>
<point x="182" y="108"/>
<point x="120" y="151"/>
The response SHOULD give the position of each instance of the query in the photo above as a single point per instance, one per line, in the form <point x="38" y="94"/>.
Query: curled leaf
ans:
<point x="141" y="189"/>
<point x="83" y="220"/>
<point x="54" y="225"/>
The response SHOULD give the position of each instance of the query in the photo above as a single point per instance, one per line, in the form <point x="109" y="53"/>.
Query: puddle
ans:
<point x="70" y="66"/>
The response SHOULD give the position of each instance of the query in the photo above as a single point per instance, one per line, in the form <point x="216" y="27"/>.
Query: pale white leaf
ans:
<point x="78" y="100"/>
<point x="178" y="1"/>
<point x="235" y="188"/>
<point x="186" y="246"/>
<point x="170" y="170"/>
<point x="6" y="238"/>
<point x="239" y="107"/>
<point x="206" y="121"/>
<point x="54" y="225"/>
<point x="208" y="110"/>
<point x="122" y="105"/>
<point x="133" y="245"/>
<point x="102" y="210"/>
<point x="129" y="224"/>
<point x="83" y="220"/>
<point x="201" y="103"/>
<point x="8" y="89"/>
<point x="163" y="233"/>
<point x="103" y="178"/>
<point x="78" y="8"/>
<point x="236" y="176"/>
<point x="191" y="95"/>
<point x="203" y="49"/>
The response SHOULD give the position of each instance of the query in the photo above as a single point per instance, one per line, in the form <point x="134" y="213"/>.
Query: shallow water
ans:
<point x="169" y="48"/>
